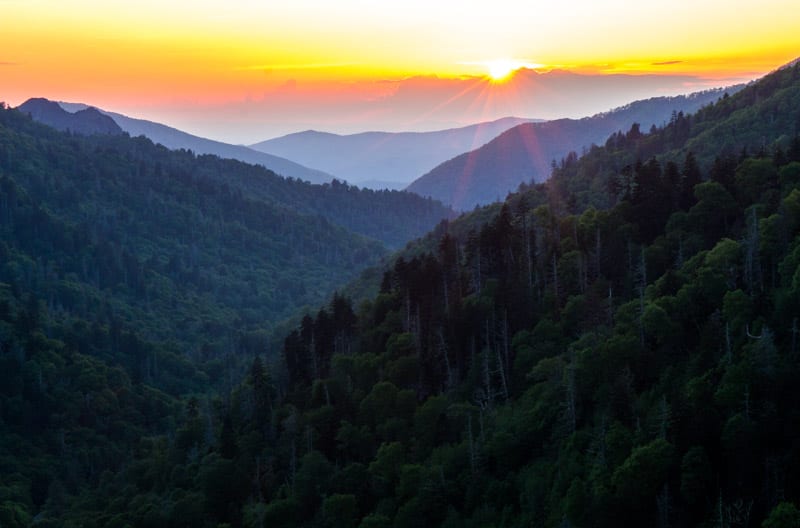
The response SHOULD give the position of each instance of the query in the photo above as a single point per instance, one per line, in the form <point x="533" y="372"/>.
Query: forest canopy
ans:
<point x="615" y="347"/>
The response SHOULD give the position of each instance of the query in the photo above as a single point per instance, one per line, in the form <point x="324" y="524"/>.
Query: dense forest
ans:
<point x="131" y="275"/>
<point x="63" y="116"/>
<point x="392" y="217"/>
<point x="617" y="346"/>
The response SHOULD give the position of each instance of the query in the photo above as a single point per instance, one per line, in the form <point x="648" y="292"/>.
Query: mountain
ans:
<point x="431" y="102"/>
<point x="166" y="235"/>
<point x="137" y="282"/>
<point x="86" y="122"/>
<point x="526" y="152"/>
<point x="382" y="159"/>
<point x="170" y="236"/>
<point x="176" y="139"/>
<point x="131" y="275"/>
<point x="544" y="363"/>
<point x="616" y="346"/>
<point x="392" y="217"/>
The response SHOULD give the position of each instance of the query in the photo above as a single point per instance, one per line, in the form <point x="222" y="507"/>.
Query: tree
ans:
<point x="714" y="211"/>
<point x="696" y="476"/>
<point x="690" y="177"/>
<point x="643" y="473"/>
<point x="385" y="469"/>
<point x="784" y="515"/>
<point x="340" y="511"/>
<point x="754" y="177"/>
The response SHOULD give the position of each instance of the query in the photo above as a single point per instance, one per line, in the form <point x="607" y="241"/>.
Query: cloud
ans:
<point x="666" y="63"/>
<point x="308" y="66"/>
<point x="5" y="63"/>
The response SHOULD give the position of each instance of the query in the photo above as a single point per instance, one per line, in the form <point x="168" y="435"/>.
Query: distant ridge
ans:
<point x="383" y="159"/>
<point x="526" y="152"/>
<point x="86" y="122"/>
<point x="173" y="138"/>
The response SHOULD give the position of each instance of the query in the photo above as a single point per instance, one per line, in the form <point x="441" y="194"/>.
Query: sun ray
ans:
<point x="500" y="70"/>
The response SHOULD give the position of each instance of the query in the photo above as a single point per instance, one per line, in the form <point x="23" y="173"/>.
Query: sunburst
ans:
<point x="500" y="70"/>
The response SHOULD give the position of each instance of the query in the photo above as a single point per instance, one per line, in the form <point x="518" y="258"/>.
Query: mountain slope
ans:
<point x="761" y="117"/>
<point x="197" y="214"/>
<point x="86" y="121"/>
<point x="525" y="153"/>
<point x="382" y="159"/>
<point x="393" y="217"/>
<point x="130" y="276"/>
<point x="175" y="139"/>
<point x="164" y="232"/>
<point x="535" y="363"/>
<point x="136" y="284"/>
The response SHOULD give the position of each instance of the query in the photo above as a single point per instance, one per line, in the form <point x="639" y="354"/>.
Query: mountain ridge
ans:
<point x="616" y="346"/>
<point x="87" y="121"/>
<point x="174" y="138"/>
<point x="527" y="151"/>
<point x="552" y="363"/>
<point x="395" y="157"/>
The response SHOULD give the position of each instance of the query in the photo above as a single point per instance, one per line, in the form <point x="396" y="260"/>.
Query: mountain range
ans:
<point x="614" y="346"/>
<point x="426" y="102"/>
<point x="546" y="361"/>
<point x="491" y="158"/>
<point x="170" y="215"/>
<point x="86" y="121"/>
<point x="61" y="114"/>
<point x="383" y="159"/>
<point x="527" y="151"/>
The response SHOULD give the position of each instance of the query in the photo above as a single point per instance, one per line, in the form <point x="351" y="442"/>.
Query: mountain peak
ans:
<point x="86" y="122"/>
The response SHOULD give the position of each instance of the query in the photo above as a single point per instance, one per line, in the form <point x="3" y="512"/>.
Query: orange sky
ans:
<point x="166" y="58"/>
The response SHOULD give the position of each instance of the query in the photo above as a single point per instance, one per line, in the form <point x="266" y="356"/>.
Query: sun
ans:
<point x="500" y="70"/>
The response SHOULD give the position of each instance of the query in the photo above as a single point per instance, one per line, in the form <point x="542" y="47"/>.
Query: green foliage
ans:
<point x="644" y="471"/>
<point x="524" y="153"/>
<point x="375" y="520"/>
<point x="281" y="512"/>
<point x="135" y="283"/>
<point x="534" y="363"/>
<point x="340" y="511"/>
<point x="575" y="366"/>
<point x="784" y="515"/>
<point x="696" y="476"/>
<point x="14" y="515"/>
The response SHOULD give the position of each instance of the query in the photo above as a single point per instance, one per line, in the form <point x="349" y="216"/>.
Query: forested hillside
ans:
<point x="615" y="347"/>
<point x="392" y="217"/>
<point x="525" y="153"/>
<point x="131" y="276"/>
<point x="543" y="364"/>
<point x="173" y="138"/>
<point x="166" y="234"/>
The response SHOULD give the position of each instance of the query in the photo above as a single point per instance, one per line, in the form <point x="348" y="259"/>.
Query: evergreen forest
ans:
<point x="132" y="277"/>
<point x="617" y="346"/>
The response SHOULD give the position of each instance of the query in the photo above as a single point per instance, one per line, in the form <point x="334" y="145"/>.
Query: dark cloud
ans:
<point x="667" y="63"/>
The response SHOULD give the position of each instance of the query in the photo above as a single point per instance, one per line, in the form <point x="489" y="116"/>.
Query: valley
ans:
<point x="562" y="322"/>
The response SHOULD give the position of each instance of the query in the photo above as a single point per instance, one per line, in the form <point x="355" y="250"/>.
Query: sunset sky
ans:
<point x="246" y="70"/>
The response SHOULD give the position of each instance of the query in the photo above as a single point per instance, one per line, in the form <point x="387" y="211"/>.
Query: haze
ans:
<point x="245" y="71"/>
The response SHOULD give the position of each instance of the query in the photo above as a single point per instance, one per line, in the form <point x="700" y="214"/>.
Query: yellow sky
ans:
<point x="210" y="52"/>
